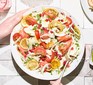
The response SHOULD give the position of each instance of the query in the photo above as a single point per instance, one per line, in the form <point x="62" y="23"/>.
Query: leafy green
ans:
<point x="28" y="59"/>
<point x="35" y="27"/>
<point x="38" y="16"/>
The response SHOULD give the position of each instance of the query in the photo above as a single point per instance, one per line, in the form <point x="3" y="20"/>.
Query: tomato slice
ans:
<point x="23" y="51"/>
<point x="40" y="50"/>
<point x="45" y="30"/>
<point x="51" y="57"/>
<point x="24" y="34"/>
<point x="48" y="59"/>
<point x="64" y="48"/>
<point x="64" y="38"/>
<point x="43" y="44"/>
<point x="69" y="21"/>
<point x="37" y="34"/>
<point x="31" y="21"/>
<point x="16" y="36"/>
<point x="51" y="13"/>
<point x="42" y="63"/>
<point x="44" y="37"/>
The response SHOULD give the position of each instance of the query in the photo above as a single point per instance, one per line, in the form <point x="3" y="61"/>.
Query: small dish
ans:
<point x="86" y="9"/>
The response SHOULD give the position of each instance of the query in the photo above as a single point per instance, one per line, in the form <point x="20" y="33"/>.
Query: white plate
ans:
<point x="87" y="11"/>
<point x="45" y="76"/>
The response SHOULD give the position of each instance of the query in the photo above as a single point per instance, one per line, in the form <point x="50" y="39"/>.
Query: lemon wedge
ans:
<point x="23" y="43"/>
<point x="23" y="21"/>
<point x="32" y="64"/>
<point x="55" y="63"/>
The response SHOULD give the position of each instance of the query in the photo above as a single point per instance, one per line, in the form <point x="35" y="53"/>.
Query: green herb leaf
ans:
<point x="35" y="27"/>
<point x="38" y="16"/>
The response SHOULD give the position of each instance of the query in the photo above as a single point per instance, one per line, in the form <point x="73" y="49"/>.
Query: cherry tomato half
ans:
<point x="69" y="21"/>
<point x="16" y="36"/>
<point x="31" y="20"/>
<point x="51" y="57"/>
<point x="23" y="51"/>
<point x="24" y="34"/>
<point x="64" y="38"/>
<point x="37" y="34"/>
<point x="40" y="50"/>
<point x="43" y="44"/>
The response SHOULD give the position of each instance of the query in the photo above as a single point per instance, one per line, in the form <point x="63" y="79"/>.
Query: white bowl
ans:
<point x="45" y="76"/>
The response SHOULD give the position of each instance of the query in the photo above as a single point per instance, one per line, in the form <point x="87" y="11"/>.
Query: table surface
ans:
<point x="11" y="74"/>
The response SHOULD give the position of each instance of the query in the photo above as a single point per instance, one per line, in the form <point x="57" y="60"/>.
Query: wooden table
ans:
<point x="11" y="74"/>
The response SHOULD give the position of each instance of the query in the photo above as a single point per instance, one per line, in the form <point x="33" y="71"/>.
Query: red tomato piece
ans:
<point x="69" y="21"/>
<point x="64" y="48"/>
<point x="43" y="44"/>
<point x="64" y="38"/>
<point x="45" y="30"/>
<point x="16" y="36"/>
<point x="31" y="20"/>
<point x="42" y="14"/>
<point x="51" y="57"/>
<point x="54" y="54"/>
<point x="37" y="34"/>
<point x="39" y="26"/>
<point x="40" y="50"/>
<point x="48" y="59"/>
<point x="50" y="14"/>
<point x="72" y="48"/>
<point x="48" y="20"/>
<point x="42" y="63"/>
<point x="23" y="51"/>
<point x="24" y="34"/>
<point x="44" y="37"/>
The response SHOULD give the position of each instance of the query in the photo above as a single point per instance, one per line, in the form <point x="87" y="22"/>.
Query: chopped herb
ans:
<point x="51" y="72"/>
<point x="22" y="59"/>
<point x="77" y="44"/>
<point x="42" y="31"/>
<point x="30" y="14"/>
<point x="38" y="16"/>
<point x="36" y="44"/>
<point x="34" y="11"/>
<point x="58" y="71"/>
<point x="35" y="27"/>
<point x="40" y="21"/>
<point x="28" y="60"/>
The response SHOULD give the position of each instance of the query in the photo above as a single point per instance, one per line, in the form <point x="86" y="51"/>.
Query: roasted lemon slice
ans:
<point x="32" y="64"/>
<point x="23" y="22"/>
<point x="23" y="43"/>
<point x="51" y="13"/>
<point x="56" y="24"/>
<point x="55" y="63"/>
<point x="90" y="2"/>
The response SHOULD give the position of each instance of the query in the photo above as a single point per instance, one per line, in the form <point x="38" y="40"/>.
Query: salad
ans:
<point x="46" y="39"/>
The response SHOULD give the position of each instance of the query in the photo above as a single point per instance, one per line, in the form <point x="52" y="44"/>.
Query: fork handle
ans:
<point x="63" y="70"/>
